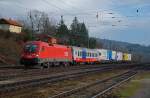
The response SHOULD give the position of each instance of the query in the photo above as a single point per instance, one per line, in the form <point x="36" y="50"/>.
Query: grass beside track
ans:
<point x="55" y="88"/>
<point x="129" y="89"/>
<point x="133" y="86"/>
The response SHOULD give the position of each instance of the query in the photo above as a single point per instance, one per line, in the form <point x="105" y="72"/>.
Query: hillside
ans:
<point x="9" y="51"/>
<point x="126" y="47"/>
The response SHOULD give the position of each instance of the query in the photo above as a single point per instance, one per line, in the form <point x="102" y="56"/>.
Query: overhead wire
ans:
<point x="83" y="13"/>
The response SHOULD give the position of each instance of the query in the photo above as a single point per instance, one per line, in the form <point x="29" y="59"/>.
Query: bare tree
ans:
<point x="47" y="26"/>
<point x="40" y="22"/>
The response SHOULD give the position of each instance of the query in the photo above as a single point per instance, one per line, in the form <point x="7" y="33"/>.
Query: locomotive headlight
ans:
<point x="37" y="55"/>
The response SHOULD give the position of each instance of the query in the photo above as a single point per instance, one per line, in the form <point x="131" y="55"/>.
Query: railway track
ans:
<point x="6" y="74"/>
<point x="97" y="89"/>
<point x="16" y="84"/>
<point x="13" y="85"/>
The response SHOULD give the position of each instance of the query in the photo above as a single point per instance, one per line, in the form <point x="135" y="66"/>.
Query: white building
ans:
<point x="10" y="25"/>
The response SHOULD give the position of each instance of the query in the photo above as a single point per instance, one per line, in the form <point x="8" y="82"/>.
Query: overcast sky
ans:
<point x="122" y="20"/>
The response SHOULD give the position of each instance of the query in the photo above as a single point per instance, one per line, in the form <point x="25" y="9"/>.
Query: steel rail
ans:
<point x="76" y="90"/>
<point x="11" y="85"/>
<point x="23" y="73"/>
<point x="14" y="73"/>
<point x="113" y="86"/>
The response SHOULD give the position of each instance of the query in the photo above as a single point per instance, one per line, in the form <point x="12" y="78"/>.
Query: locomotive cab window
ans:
<point x="30" y="48"/>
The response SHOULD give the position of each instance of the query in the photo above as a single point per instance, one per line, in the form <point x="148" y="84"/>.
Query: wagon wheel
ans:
<point x="44" y="65"/>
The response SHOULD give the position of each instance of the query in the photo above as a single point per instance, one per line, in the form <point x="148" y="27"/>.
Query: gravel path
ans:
<point x="144" y="92"/>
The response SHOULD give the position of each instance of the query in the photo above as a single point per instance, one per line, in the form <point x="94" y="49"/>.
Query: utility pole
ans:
<point x="88" y="42"/>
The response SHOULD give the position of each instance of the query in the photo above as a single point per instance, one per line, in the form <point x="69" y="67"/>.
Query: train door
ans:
<point x="84" y="54"/>
<point x="109" y="55"/>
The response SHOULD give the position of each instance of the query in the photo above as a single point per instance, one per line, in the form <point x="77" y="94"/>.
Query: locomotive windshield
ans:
<point x="30" y="48"/>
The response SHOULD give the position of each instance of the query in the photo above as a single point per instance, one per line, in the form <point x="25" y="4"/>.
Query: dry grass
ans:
<point x="10" y="49"/>
<point x="133" y="86"/>
<point x="52" y="89"/>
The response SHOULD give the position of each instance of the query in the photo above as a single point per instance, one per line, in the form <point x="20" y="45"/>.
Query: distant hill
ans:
<point x="126" y="47"/>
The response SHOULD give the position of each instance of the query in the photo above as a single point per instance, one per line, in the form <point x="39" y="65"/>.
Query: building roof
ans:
<point x="10" y="22"/>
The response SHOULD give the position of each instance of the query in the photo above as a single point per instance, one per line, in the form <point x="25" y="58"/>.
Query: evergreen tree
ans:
<point x="73" y="32"/>
<point x="75" y="26"/>
<point x="62" y="32"/>
<point x="79" y="34"/>
<point x="84" y="35"/>
<point x="92" y="43"/>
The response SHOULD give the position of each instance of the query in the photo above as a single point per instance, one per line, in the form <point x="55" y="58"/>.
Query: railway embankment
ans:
<point x="9" y="51"/>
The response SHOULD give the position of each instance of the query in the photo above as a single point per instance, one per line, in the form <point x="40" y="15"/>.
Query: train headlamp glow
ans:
<point x="37" y="55"/>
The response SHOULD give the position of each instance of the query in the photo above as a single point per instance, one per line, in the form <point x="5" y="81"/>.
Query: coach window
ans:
<point x="80" y="53"/>
<point x="76" y="53"/>
<point x="96" y="54"/>
<point x="100" y="54"/>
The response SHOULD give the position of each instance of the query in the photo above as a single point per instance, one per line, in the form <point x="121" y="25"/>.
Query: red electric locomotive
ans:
<point x="44" y="54"/>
